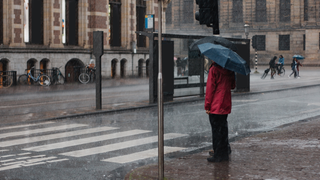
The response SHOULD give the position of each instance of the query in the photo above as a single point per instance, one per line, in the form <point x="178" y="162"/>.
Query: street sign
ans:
<point x="149" y="22"/>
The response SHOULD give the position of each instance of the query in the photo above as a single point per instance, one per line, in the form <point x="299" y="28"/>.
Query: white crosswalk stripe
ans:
<point x="54" y="136"/>
<point x="41" y="130"/>
<point x="121" y="145"/>
<point x="142" y="155"/>
<point x="24" y="125"/>
<point x="77" y="143"/>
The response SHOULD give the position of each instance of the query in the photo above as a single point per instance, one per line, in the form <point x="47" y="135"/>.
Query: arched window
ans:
<point x="115" y="23"/>
<point x="4" y="65"/>
<point x="123" y="68"/>
<point x="70" y="22"/>
<point x="35" y="21"/>
<point x="72" y="70"/>
<point x="140" y="68"/>
<point x="114" y="68"/>
<point x="141" y="12"/>
<point x="44" y="63"/>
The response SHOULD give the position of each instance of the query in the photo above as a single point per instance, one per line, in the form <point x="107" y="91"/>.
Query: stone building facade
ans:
<point x="59" y="33"/>
<point x="283" y="27"/>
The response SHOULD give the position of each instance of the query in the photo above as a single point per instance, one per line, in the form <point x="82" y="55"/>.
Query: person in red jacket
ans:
<point x="218" y="105"/>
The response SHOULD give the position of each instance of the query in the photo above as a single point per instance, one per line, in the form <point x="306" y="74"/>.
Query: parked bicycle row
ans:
<point x="45" y="77"/>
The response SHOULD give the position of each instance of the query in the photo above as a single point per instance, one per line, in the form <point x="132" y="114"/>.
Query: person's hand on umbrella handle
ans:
<point x="208" y="111"/>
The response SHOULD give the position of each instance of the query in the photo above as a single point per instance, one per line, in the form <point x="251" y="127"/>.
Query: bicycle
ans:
<point x="57" y="77"/>
<point x="280" y="72"/>
<point x="42" y="79"/>
<point x="5" y="81"/>
<point x="84" y="78"/>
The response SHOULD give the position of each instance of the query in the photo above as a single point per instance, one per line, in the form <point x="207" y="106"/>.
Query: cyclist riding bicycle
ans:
<point x="280" y="64"/>
<point x="272" y="65"/>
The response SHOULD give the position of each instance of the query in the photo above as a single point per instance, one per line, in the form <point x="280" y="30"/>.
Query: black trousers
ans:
<point x="220" y="141"/>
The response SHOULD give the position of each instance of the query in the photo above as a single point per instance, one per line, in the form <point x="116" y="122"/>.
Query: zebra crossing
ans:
<point x="53" y="142"/>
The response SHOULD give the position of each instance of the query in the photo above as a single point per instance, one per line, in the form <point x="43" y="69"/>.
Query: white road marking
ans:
<point x="121" y="145"/>
<point x="54" y="102"/>
<point x="30" y="162"/>
<point x="141" y="155"/>
<point x="54" y="136"/>
<point x="25" y="125"/>
<point x="35" y="131"/>
<point x="85" y="140"/>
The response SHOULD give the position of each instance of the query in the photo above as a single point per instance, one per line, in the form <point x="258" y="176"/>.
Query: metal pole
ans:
<point x="160" y="98"/>
<point x="256" y="61"/>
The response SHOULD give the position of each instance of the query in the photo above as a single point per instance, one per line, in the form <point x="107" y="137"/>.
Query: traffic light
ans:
<point x="208" y="14"/>
<point x="254" y="42"/>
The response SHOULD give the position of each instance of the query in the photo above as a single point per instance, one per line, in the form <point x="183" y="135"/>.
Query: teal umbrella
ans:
<point x="225" y="57"/>
<point x="299" y="57"/>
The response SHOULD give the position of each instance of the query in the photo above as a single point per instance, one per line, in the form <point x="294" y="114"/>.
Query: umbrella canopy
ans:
<point x="225" y="57"/>
<point x="299" y="57"/>
<point x="215" y="40"/>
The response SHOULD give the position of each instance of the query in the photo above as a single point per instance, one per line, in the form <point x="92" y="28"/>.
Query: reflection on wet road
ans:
<point x="107" y="146"/>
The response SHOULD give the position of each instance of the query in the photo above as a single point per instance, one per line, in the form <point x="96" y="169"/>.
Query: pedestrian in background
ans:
<point x="218" y="105"/>
<point x="281" y="63"/>
<point x="298" y="64"/>
<point x="272" y="65"/>
<point x="294" y="68"/>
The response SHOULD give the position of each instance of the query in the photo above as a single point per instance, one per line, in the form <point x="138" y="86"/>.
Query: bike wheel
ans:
<point x="60" y="79"/>
<point x="282" y="72"/>
<point x="5" y="81"/>
<point x="23" y="79"/>
<point x="44" y="80"/>
<point x="84" y="78"/>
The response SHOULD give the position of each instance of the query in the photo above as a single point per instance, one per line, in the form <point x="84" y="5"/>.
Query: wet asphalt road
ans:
<point x="107" y="146"/>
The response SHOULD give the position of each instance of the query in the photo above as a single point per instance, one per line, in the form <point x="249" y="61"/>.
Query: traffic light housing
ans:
<point x="208" y="14"/>
<point x="254" y="42"/>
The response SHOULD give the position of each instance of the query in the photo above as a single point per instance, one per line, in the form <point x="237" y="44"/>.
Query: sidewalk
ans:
<point x="290" y="152"/>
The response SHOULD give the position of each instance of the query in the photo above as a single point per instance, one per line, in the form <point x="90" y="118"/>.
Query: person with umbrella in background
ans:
<point x="218" y="105"/>
<point x="298" y="64"/>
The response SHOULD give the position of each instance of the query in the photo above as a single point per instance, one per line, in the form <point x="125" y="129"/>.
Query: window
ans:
<point x="237" y="11"/>
<point x="141" y="12"/>
<point x="285" y="10"/>
<point x="169" y="13"/>
<point x="261" y="43"/>
<point x="261" y="11"/>
<point x="188" y="15"/>
<point x="115" y="23"/>
<point x="284" y="42"/>
<point x="306" y="10"/>
<point x="35" y="22"/>
<point x="71" y="22"/>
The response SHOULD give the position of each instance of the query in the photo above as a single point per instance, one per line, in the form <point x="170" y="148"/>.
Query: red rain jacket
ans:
<point x="218" y="91"/>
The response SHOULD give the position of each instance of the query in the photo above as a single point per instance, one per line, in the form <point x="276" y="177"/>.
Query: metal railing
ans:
<point x="13" y="74"/>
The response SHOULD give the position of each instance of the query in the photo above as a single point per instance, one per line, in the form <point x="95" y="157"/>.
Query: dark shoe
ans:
<point x="211" y="153"/>
<point x="212" y="159"/>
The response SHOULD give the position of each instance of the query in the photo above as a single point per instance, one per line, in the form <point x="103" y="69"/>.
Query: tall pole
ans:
<point x="160" y="98"/>
<point x="256" y="61"/>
